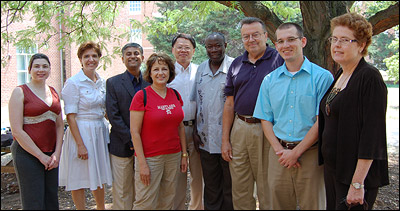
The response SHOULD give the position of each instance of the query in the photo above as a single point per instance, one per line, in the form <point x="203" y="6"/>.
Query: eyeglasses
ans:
<point x="255" y="36"/>
<point x="290" y="40"/>
<point x="342" y="41"/>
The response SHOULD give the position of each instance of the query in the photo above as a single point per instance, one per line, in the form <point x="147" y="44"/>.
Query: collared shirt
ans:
<point x="183" y="83"/>
<point x="84" y="97"/>
<point x="135" y="81"/>
<point x="244" y="79"/>
<point x="208" y="92"/>
<point x="291" y="102"/>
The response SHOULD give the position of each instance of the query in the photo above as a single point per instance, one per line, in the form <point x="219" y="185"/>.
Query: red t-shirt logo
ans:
<point x="167" y="108"/>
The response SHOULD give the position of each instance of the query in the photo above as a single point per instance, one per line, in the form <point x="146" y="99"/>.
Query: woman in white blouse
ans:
<point x="85" y="161"/>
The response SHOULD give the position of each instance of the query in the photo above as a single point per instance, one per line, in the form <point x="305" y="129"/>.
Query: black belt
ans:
<point x="288" y="145"/>
<point x="249" y="119"/>
<point x="188" y="123"/>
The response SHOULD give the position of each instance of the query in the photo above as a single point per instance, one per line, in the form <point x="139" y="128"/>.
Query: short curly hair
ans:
<point x="362" y="29"/>
<point x="89" y="45"/>
<point x="159" y="57"/>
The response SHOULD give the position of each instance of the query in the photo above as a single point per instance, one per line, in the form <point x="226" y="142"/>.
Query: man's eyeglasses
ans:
<point x="290" y="40"/>
<point x="342" y="41"/>
<point x="255" y="36"/>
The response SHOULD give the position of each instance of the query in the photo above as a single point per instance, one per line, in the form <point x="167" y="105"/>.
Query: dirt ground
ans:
<point x="388" y="197"/>
<point x="10" y="196"/>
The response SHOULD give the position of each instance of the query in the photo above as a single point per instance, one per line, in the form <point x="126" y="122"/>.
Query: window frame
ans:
<point x="135" y="7"/>
<point x="26" y="53"/>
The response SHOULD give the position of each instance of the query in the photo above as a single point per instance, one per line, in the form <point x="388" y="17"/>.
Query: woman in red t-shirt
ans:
<point x="158" y="136"/>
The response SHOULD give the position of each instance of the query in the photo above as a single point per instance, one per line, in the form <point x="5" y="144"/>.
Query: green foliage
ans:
<point x="384" y="50"/>
<point x="370" y="8"/>
<point x="287" y="11"/>
<point x="378" y="49"/>
<point x="179" y="17"/>
<point x="81" y="20"/>
<point x="392" y="62"/>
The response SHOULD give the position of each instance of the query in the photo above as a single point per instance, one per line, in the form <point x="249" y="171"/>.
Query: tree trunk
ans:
<point x="316" y="25"/>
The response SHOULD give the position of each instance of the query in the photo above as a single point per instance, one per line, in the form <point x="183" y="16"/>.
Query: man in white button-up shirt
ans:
<point x="183" y="48"/>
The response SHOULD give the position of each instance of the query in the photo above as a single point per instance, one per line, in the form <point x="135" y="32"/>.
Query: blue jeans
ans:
<point x="38" y="187"/>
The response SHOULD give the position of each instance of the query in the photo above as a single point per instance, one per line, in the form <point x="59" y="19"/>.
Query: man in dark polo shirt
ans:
<point x="244" y="145"/>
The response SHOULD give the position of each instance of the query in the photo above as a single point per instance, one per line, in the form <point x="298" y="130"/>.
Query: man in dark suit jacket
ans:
<point x="120" y="91"/>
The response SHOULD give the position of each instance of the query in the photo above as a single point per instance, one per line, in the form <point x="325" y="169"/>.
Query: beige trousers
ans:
<point x="159" y="195"/>
<point x="249" y="166"/>
<point x="196" y="178"/>
<point x="123" y="188"/>
<point x="304" y="185"/>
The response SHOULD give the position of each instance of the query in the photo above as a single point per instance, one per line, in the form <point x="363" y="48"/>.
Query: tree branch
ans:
<point x="113" y="19"/>
<point x="18" y="9"/>
<point x="229" y="4"/>
<point x="385" y="19"/>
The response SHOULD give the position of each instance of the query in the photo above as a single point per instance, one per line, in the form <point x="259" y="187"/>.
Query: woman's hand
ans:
<point x="144" y="171"/>
<point x="54" y="161"/>
<point x="82" y="152"/>
<point x="355" y="196"/>
<point x="45" y="160"/>
<point x="184" y="164"/>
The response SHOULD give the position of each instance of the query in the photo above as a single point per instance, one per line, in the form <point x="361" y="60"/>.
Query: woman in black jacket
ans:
<point x="352" y="126"/>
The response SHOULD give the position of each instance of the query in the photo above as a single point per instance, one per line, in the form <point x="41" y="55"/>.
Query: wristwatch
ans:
<point x="184" y="155"/>
<point x="357" y="185"/>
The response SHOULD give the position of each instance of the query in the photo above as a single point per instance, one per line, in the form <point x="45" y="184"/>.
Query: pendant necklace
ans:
<point x="332" y="95"/>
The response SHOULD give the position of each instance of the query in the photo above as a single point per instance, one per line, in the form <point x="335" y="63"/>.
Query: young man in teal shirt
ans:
<point x="287" y="105"/>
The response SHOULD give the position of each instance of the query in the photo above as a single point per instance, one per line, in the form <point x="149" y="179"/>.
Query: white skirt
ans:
<point x="75" y="173"/>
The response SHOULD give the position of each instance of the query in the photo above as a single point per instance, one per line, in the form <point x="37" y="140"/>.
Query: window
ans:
<point x="134" y="7"/>
<point x="136" y="36"/>
<point x="23" y="57"/>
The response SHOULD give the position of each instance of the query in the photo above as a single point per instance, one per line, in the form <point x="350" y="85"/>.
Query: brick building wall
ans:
<point x="72" y="64"/>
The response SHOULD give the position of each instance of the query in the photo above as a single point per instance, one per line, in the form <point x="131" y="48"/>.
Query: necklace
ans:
<point x="333" y="93"/>
<point x="162" y="93"/>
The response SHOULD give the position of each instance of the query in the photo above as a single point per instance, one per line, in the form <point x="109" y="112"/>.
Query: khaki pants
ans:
<point x="159" y="195"/>
<point x="304" y="185"/>
<point x="123" y="190"/>
<point x="196" y="178"/>
<point x="249" y="165"/>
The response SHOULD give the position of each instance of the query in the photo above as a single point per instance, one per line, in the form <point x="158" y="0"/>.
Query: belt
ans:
<point x="188" y="123"/>
<point x="288" y="145"/>
<point x="249" y="119"/>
